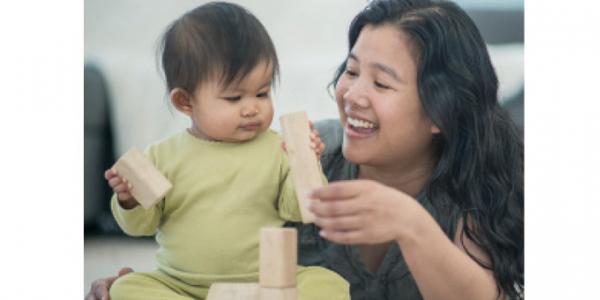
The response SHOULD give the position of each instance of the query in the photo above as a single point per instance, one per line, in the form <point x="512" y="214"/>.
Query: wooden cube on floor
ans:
<point x="277" y="273"/>
<point x="278" y="294"/>
<point x="149" y="185"/>
<point x="278" y="257"/>
<point x="233" y="291"/>
<point x="304" y="166"/>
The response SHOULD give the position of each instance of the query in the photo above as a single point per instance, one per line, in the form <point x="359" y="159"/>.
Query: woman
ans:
<point x="434" y="209"/>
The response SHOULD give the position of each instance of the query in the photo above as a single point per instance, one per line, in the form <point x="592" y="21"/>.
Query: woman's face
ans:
<point x="378" y="102"/>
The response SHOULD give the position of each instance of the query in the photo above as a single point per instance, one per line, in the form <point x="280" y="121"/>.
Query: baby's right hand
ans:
<point x="121" y="187"/>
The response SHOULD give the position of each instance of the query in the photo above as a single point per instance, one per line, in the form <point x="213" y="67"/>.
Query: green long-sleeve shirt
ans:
<point x="207" y="226"/>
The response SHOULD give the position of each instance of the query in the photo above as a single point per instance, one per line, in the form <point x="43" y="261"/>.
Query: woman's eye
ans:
<point x="351" y="73"/>
<point x="381" y="85"/>
<point x="233" y="98"/>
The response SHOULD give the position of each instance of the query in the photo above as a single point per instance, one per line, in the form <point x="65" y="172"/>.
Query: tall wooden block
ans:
<point x="304" y="166"/>
<point x="278" y="294"/>
<point x="148" y="185"/>
<point x="278" y="257"/>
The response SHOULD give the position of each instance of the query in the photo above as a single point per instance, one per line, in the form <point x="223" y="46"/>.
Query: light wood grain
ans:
<point x="305" y="169"/>
<point x="148" y="185"/>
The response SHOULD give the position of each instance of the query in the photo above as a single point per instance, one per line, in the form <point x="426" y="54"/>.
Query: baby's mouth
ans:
<point x="250" y="126"/>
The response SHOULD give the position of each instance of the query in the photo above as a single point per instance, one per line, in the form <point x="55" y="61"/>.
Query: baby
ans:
<point x="230" y="176"/>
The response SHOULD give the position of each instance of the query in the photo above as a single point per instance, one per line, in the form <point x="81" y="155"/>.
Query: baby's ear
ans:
<point x="181" y="100"/>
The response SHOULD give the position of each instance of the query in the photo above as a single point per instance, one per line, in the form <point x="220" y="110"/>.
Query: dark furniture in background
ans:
<point x="98" y="152"/>
<point x="500" y="27"/>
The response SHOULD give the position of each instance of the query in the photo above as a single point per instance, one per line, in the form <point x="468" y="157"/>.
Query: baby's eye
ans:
<point x="263" y="95"/>
<point x="233" y="98"/>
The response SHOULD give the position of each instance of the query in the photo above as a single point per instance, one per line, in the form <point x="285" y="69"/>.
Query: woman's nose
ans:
<point x="356" y="95"/>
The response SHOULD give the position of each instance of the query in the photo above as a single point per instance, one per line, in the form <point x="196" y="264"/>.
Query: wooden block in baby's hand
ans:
<point x="148" y="185"/>
<point x="278" y="257"/>
<point x="304" y="166"/>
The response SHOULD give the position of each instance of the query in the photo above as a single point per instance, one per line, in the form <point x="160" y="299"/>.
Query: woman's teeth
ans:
<point x="360" y="123"/>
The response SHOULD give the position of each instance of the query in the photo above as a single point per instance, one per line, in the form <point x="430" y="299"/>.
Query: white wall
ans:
<point x="310" y="38"/>
<point x="121" y="37"/>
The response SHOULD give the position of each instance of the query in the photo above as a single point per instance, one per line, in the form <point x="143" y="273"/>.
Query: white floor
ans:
<point x="104" y="256"/>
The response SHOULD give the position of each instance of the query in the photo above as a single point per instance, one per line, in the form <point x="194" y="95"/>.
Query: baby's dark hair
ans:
<point x="218" y="40"/>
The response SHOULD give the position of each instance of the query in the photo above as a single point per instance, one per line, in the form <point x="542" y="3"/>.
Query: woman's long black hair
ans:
<point x="479" y="175"/>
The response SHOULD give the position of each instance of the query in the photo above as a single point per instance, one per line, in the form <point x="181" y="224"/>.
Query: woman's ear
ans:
<point x="434" y="129"/>
<point x="181" y="100"/>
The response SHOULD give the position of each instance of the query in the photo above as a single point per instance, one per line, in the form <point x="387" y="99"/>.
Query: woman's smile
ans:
<point x="360" y="128"/>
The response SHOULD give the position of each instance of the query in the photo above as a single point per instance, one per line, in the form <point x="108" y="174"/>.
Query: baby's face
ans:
<point x="236" y="113"/>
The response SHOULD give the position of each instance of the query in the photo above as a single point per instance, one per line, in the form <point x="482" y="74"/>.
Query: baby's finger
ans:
<point x="110" y="173"/>
<point x="122" y="187"/>
<point x="321" y="147"/>
<point x="283" y="147"/>
<point x="124" y="196"/>
<point x="114" y="181"/>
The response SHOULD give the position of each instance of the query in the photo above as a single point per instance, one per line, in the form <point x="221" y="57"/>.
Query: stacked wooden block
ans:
<point x="278" y="246"/>
<point x="278" y="258"/>
<point x="277" y="273"/>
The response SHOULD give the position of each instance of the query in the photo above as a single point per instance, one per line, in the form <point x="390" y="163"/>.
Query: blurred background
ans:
<point x="126" y="102"/>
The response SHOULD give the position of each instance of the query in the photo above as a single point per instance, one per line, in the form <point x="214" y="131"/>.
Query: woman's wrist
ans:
<point x="413" y="225"/>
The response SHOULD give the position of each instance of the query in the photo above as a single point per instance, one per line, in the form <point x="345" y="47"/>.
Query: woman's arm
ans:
<point x="100" y="287"/>
<point x="367" y="212"/>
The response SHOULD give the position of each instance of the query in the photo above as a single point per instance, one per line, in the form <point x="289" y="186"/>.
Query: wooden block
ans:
<point x="278" y="294"/>
<point x="149" y="185"/>
<point x="304" y="166"/>
<point x="278" y="257"/>
<point x="231" y="291"/>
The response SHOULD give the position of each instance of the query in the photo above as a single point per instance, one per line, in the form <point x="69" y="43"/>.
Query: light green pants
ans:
<point x="313" y="283"/>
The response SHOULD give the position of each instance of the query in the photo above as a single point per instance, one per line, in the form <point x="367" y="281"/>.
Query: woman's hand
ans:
<point x="363" y="212"/>
<point x="100" y="287"/>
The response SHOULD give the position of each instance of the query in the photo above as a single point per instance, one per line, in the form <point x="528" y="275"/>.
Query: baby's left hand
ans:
<point x="315" y="142"/>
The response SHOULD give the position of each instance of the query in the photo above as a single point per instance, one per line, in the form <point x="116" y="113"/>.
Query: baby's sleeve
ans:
<point x="138" y="221"/>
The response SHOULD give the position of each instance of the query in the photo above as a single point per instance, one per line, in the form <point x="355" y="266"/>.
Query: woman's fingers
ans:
<point x="100" y="288"/>
<point x="124" y="271"/>
<point x="340" y="190"/>
<point x="343" y="237"/>
<point x="342" y="223"/>
<point x="328" y="209"/>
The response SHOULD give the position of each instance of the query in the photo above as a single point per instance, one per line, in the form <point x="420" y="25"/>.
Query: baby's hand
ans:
<point x="121" y="187"/>
<point x="315" y="142"/>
